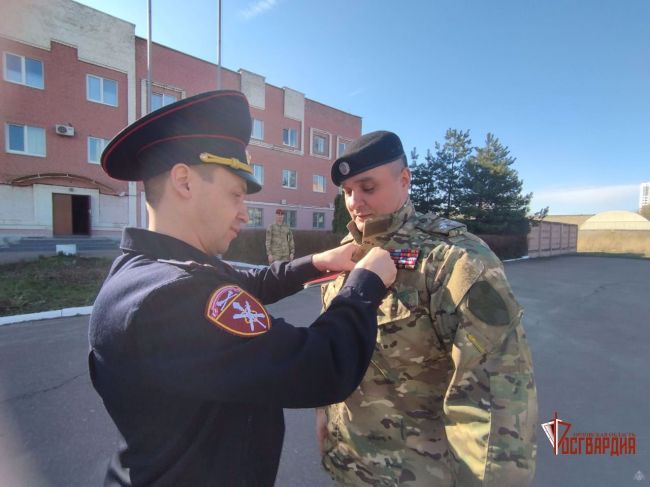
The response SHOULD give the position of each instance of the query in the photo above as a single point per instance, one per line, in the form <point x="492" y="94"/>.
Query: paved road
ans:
<point x="587" y="320"/>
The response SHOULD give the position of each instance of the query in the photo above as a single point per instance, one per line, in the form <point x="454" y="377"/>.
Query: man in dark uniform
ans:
<point x="190" y="366"/>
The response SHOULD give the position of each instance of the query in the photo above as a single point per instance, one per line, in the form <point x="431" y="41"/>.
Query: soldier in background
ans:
<point x="449" y="398"/>
<point x="279" y="239"/>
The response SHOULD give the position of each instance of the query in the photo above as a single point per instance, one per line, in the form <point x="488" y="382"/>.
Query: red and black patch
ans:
<point x="237" y="312"/>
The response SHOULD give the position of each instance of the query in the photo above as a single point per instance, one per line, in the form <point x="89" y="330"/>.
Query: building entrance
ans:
<point x="70" y="214"/>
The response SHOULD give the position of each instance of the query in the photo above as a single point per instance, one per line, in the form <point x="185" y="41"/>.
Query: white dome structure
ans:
<point x="616" y="220"/>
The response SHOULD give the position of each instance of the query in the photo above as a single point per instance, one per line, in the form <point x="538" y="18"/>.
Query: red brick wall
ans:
<point x="62" y="101"/>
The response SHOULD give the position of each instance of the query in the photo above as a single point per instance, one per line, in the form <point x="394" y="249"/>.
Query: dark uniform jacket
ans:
<point x="199" y="404"/>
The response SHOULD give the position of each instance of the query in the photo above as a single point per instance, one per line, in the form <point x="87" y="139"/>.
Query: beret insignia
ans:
<point x="344" y="168"/>
<point x="234" y="310"/>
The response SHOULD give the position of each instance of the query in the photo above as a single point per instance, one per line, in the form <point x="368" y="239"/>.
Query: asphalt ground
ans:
<point x="587" y="320"/>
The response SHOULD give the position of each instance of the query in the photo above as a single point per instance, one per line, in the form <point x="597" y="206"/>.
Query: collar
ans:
<point x="160" y="246"/>
<point x="379" y="230"/>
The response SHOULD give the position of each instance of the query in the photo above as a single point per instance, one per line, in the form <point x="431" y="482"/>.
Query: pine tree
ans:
<point x="448" y="166"/>
<point x="341" y="215"/>
<point x="425" y="193"/>
<point x="491" y="201"/>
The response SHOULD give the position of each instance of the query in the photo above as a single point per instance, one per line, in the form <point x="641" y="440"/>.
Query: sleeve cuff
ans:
<point x="304" y="268"/>
<point x="367" y="284"/>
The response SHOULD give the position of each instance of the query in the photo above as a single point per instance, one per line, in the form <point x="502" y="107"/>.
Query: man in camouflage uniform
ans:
<point x="279" y="239"/>
<point x="449" y="398"/>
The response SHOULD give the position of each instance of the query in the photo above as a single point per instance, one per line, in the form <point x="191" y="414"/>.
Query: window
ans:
<point x="290" y="218"/>
<point x="258" y="129"/>
<point x="255" y="217"/>
<point x="23" y="139"/>
<point x="23" y="70"/>
<point x="318" y="183"/>
<point x="159" y="100"/>
<point x="290" y="137"/>
<point x="341" y="146"/>
<point x="289" y="179"/>
<point x="258" y="172"/>
<point x="318" y="220"/>
<point x="320" y="144"/>
<point x="95" y="148"/>
<point x="101" y="90"/>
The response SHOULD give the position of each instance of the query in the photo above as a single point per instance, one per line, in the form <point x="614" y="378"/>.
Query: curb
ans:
<point x="85" y="310"/>
<point x="46" y="315"/>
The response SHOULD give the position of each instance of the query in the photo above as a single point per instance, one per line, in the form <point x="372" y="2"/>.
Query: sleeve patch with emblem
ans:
<point x="234" y="310"/>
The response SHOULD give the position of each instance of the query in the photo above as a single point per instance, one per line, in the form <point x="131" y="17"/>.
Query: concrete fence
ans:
<point x="550" y="238"/>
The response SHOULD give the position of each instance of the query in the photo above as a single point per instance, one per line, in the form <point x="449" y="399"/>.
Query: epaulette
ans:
<point x="188" y="265"/>
<point x="432" y="223"/>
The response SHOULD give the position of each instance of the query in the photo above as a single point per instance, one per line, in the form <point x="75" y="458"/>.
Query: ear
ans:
<point x="180" y="179"/>
<point x="405" y="177"/>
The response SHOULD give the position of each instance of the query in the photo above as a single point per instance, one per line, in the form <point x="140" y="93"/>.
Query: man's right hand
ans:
<point x="379" y="261"/>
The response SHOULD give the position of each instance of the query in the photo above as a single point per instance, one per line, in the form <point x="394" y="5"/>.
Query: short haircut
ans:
<point x="398" y="165"/>
<point x="154" y="187"/>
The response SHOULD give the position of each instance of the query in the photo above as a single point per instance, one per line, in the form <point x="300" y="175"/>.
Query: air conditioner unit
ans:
<point x="331" y="205"/>
<point x="283" y="202"/>
<point x="66" y="130"/>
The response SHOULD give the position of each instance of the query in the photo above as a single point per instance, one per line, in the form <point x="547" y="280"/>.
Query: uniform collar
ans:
<point x="160" y="246"/>
<point x="381" y="228"/>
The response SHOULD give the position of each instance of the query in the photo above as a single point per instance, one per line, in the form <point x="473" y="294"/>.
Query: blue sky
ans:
<point x="564" y="84"/>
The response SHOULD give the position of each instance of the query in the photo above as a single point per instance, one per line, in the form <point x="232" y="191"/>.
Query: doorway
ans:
<point x="70" y="214"/>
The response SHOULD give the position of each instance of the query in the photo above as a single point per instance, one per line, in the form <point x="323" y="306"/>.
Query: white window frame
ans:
<point x="25" y="152"/>
<point x="261" y="213"/>
<point x="257" y="123"/>
<point x="101" y="90"/>
<point x="339" y="141"/>
<point x="328" y="143"/>
<point x="313" y="220"/>
<point x="295" y="176"/>
<point x="289" y="131"/>
<point x="23" y="71"/>
<point x="313" y="183"/>
<point x="162" y="96"/>
<point x="261" y="171"/>
<point x="102" y="145"/>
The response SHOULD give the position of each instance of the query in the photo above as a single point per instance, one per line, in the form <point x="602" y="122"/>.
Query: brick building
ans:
<point x="74" y="76"/>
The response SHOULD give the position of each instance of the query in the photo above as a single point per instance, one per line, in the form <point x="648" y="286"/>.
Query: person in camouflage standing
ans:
<point x="279" y="239"/>
<point x="449" y="398"/>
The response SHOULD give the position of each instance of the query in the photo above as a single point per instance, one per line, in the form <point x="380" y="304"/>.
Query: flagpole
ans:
<point x="219" y="46"/>
<point x="148" y="104"/>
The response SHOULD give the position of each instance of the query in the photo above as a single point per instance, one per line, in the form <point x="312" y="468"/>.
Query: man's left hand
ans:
<point x="336" y="259"/>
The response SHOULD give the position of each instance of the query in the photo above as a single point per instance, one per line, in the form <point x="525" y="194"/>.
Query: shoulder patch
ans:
<point x="236" y="311"/>
<point x="433" y="223"/>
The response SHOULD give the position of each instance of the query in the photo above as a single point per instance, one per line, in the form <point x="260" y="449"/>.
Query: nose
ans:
<point x="354" y="200"/>
<point x="243" y="214"/>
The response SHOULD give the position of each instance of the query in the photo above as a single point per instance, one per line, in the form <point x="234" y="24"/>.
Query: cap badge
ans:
<point x="344" y="168"/>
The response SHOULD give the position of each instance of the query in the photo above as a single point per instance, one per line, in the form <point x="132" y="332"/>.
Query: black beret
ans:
<point x="212" y="127"/>
<point x="368" y="151"/>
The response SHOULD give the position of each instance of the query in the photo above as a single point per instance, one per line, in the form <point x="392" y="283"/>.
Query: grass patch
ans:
<point x="50" y="283"/>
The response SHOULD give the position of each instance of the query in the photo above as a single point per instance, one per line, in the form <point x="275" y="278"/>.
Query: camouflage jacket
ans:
<point x="449" y="398"/>
<point x="279" y="241"/>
